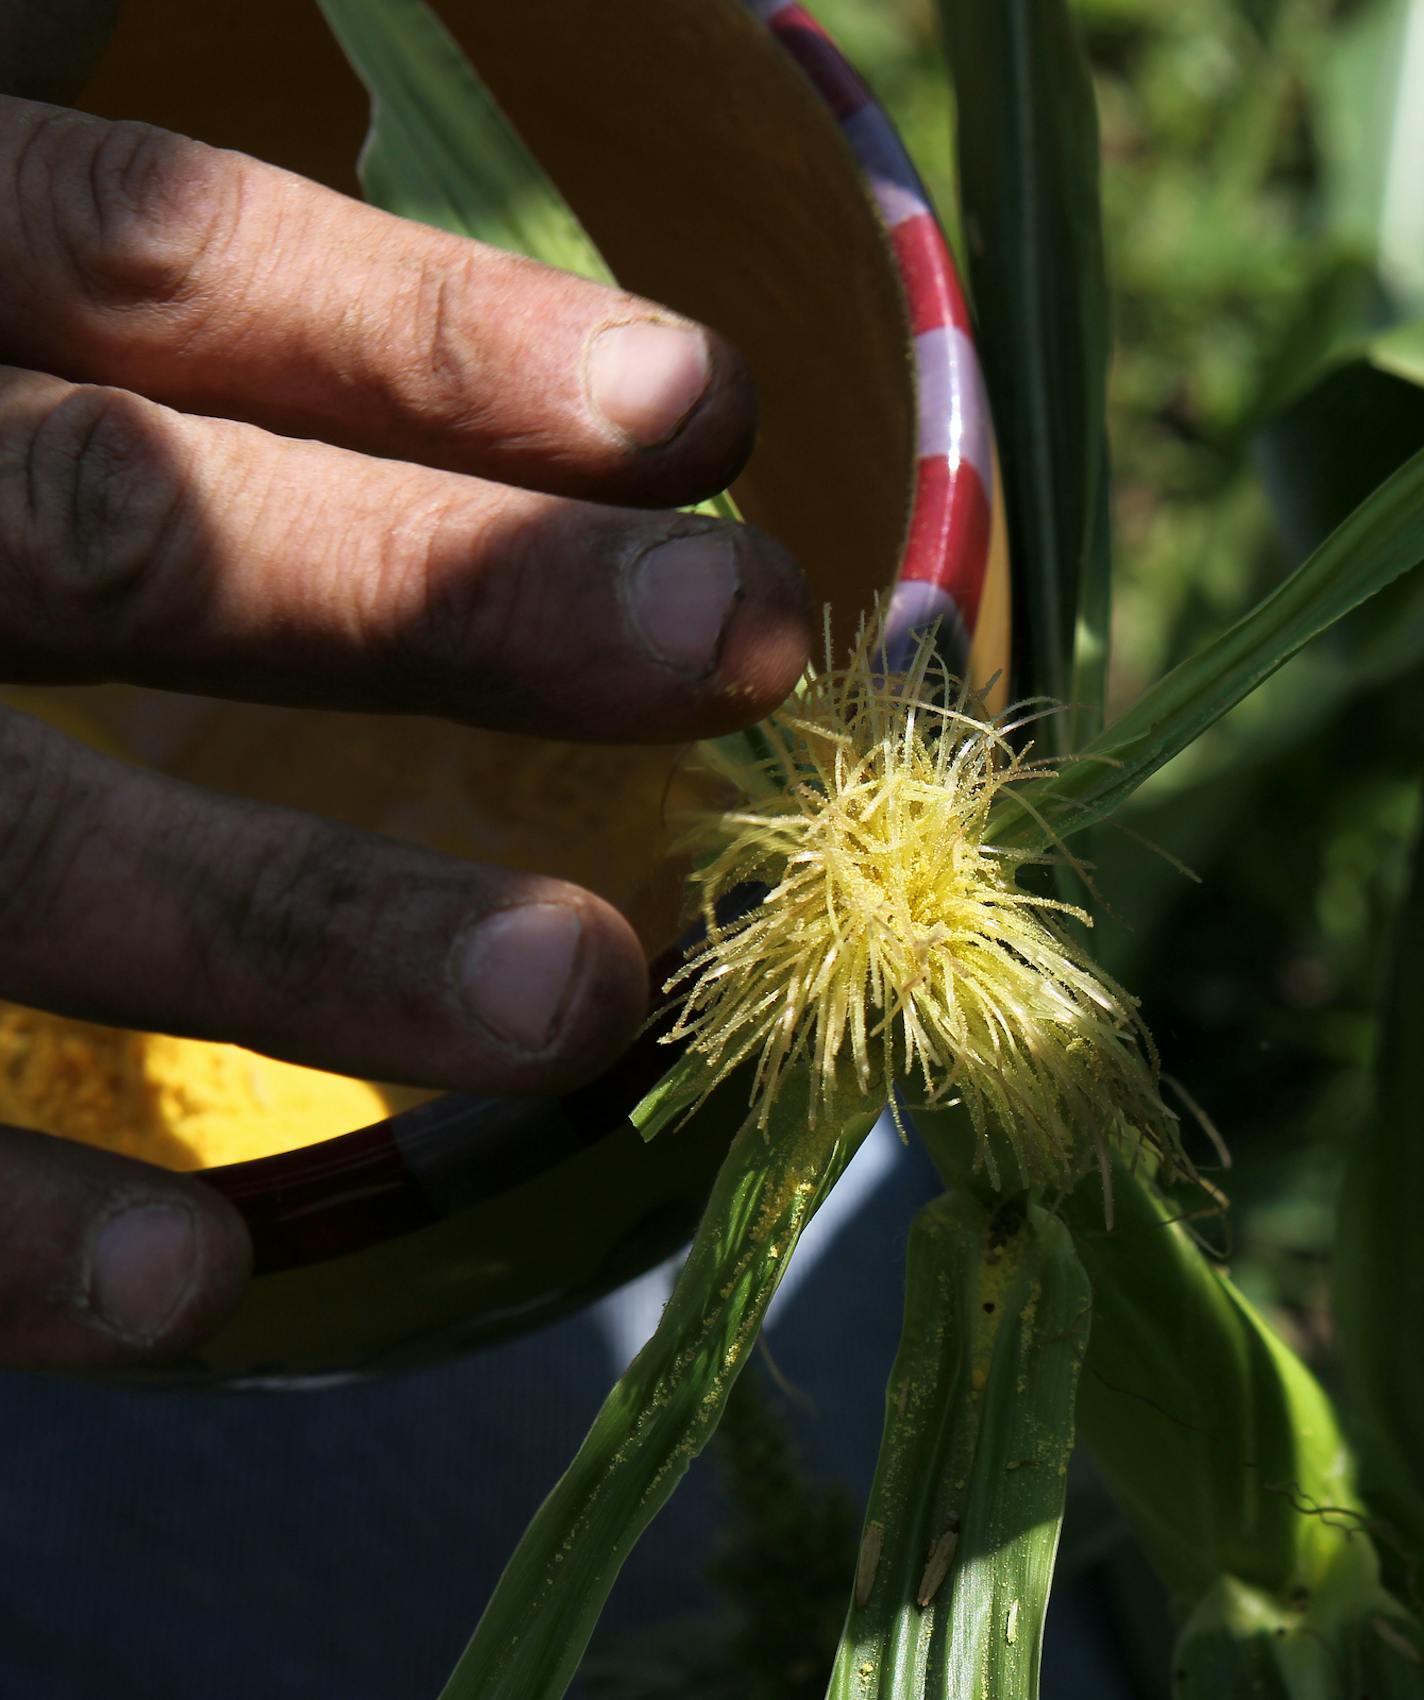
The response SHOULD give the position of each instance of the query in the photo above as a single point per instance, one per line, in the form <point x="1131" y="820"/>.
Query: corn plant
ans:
<point x="1056" y="1290"/>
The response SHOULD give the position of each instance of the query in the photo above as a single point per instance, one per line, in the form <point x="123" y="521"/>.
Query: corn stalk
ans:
<point x="661" y="1413"/>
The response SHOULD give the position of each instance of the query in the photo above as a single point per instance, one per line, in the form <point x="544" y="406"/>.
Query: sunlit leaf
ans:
<point x="961" y="1531"/>
<point x="439" y="148"/>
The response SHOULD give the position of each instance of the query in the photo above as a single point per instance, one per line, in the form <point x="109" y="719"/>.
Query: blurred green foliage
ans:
<point x="1261" y="213"/>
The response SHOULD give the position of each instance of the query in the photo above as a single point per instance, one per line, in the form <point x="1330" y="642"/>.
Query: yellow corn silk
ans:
<point x="894" y="945"/>
<point x="182" y="1103"/>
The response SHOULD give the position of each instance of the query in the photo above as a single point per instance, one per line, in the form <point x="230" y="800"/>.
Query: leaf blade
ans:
<point x="1214" y="1437"/>
<point x="440" y="149"/>
<point x="962" y="1527"/>
<point x="1381" y="540"/>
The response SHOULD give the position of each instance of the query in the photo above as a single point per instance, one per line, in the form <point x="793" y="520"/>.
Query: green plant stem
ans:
<point x="661" y="1413"/>
<point x="1226" y="1455"/>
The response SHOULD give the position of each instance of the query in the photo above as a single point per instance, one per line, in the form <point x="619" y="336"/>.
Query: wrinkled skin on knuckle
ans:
<point x="269" y="913"/>
<point x="453" y="383"/>
<point x="442" y="383"/>
<point x="94" y="525"/>
<point x="129" y="214"/>
<point x="290" y="918"/>
<point x="407" y="623"/>
<point x="499" y="595"/>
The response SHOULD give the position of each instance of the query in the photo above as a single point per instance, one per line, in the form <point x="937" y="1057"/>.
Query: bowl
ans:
<point x="729" y="163"/>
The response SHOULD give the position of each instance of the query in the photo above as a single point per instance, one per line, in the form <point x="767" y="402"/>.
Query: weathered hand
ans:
<point x="260" y="441"/>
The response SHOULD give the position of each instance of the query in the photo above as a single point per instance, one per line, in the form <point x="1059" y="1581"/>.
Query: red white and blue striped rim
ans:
<point x="343" y="1194"/>
<point x="944" y="570"/>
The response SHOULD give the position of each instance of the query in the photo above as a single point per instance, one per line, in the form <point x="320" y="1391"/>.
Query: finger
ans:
<point x="133" y="900"/>
<point x="221" y="285"/>
<point x="107" y="1261"/>
<point x="143" y="544"/>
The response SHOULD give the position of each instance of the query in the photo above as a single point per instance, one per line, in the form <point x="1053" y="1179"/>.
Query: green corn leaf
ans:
<point x="439" y="148"/>
<point x="1028" y="185"/>
<point x="1379" y="1276"/>
<point x="962" y="1527"/>
<point x="1379" y="1645"/>
<point x="668" y="1099"/>
<point x="661" y="1413"/>
<point x="1213" y="1436"/>
<point x="1383" y="538"/>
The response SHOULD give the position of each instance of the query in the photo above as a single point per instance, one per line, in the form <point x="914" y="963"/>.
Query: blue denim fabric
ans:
<point x="167" y="1546"/>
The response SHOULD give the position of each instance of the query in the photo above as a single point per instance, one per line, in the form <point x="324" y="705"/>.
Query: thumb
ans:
<point x="108" y="1261"/>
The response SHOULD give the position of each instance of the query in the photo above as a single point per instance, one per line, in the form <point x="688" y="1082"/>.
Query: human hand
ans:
<point x="260" y="441"/>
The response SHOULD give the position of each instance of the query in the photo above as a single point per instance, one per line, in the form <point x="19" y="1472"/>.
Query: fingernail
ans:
<point x="646" y="378"/>
<point x="142" y="1266"/>
<point x="516" y="971"/>
<point x="681" y="595"/>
